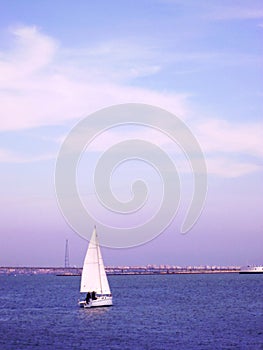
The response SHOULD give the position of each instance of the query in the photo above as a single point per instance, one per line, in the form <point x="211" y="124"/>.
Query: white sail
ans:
<point x="93" y="274"/>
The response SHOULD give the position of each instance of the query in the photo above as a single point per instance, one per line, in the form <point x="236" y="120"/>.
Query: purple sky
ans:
<point x="204" y="64"/>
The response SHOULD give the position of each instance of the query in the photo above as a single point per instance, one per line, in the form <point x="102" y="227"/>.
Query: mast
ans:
<point x="66" y="255"/>
<point x="98" y="255"/>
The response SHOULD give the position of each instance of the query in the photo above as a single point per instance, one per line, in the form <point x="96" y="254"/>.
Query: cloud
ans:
<point x="7" y="156"/>
<point x="231" y="138"/>
<point x="30" y="52"/>
<point x="230" y="149"/>
<point x="43" y="84"/>
<point x="229" y="168"/>
<point x="229" y="12"/>
<point x="221" y="10"/>
<point x="117" y="60"/>
<point x="39" y="86"/>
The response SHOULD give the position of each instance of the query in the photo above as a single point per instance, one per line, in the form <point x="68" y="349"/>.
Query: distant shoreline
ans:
<point x="121" y="270"/>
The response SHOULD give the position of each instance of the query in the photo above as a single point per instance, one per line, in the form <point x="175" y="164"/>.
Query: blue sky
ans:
<point x="201" y="60"/>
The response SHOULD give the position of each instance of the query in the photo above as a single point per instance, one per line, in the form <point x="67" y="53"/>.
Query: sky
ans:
<point x="200" y="60"/>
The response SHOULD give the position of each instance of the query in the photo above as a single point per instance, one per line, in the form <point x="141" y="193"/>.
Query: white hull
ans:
<point x="99" y="302"/>
<point x="252" y="269"/>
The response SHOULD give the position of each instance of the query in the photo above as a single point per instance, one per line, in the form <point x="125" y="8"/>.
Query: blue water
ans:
<point x="150" y="312"/>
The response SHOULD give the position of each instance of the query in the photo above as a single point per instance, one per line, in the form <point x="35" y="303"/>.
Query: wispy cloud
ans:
<point x="42" y="84"/>
<point x="40" y="88"/>
<point x="31" y="51"/>
<point x="7" y="156"/>
<point x="116" y="60"/>
<point x="231" y="138"/>
<point x="223" y="10"/>
<point x="249" y="10"/>
<point x="230" y="149"/>
<point x="229" y="167"/>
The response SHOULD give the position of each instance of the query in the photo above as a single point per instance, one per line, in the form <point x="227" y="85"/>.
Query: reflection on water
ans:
<point x="92" y="313"/>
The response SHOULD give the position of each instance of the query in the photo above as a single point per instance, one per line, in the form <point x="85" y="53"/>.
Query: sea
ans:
<point x="202" y="311"/>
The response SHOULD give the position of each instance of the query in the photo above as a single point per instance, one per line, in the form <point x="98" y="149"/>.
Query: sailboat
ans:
<point x="94" y="281"/>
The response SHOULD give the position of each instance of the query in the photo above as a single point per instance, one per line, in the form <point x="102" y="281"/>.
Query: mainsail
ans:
<point x="93" y="274"/>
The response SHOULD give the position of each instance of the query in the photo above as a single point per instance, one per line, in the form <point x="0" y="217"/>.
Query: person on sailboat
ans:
<point x="88" y="297"/>
<point x="93" y="296"/>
